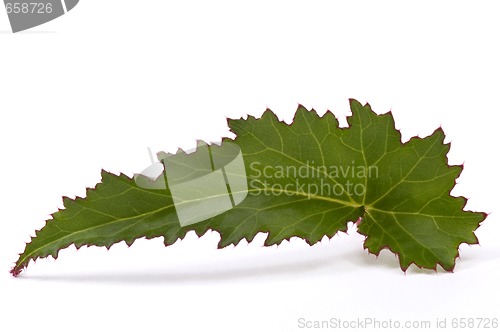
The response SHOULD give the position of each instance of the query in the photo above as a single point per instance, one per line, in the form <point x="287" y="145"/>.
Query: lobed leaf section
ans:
<point x="307" y="180"/>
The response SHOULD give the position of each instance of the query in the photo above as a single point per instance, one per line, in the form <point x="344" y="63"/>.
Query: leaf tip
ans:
<point x="439" y="131"/>
<point x="354" y="102"/>
<point x="16" y="270"/>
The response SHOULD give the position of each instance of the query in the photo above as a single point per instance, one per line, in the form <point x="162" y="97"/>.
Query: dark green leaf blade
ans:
<point x="408" y="206"/>
<point x="303" y="181"/>
<point x="116" y="210"/>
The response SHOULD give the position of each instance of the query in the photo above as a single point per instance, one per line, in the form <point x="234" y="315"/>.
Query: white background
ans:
<point x="94" y="88"/>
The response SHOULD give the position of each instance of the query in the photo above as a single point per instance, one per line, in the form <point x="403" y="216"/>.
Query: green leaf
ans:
<point x="308" y="180"/>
